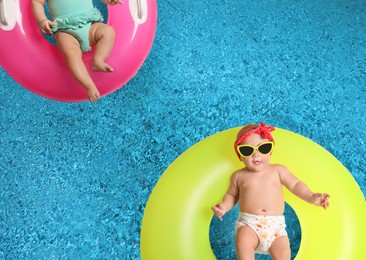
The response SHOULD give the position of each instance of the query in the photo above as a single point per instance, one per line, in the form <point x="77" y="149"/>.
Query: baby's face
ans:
<point x="257" y="161"/>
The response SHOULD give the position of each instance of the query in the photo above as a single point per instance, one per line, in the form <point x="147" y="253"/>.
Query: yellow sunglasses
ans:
<point x="246" y="150"/>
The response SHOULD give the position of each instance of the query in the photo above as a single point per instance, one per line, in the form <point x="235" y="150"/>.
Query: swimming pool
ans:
<point x="75" y="177"/>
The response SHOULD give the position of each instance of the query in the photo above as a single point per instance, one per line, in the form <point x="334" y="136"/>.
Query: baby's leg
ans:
<point x="102" y="36"/>
<point x="246" y="242"/>
<point x="70" y="49"/>
<point x="280" y="249"/>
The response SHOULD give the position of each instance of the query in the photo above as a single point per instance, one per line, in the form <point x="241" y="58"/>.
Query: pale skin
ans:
<point x="258" y="190"/>
<point x="100" y="35"/>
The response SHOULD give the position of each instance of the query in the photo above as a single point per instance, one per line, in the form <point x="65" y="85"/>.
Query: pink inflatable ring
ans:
<point x="38" y="66"/>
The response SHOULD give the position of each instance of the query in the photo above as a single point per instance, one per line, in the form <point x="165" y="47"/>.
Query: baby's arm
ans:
<point x="113" y="2"/>
<point x="42" y="20"/>
<point x="301" y="190"/>
<point x="230" y="199"/>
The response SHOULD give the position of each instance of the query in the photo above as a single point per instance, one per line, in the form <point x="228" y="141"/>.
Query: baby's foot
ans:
<point x="101" y="67"/>
<point x="93" y="94"/>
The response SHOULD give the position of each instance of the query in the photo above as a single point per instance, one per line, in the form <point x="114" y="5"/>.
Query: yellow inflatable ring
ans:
<point x="177" y="216"/>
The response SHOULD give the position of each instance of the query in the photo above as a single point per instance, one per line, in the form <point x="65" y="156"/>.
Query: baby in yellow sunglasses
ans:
<point x="257" y="187"/>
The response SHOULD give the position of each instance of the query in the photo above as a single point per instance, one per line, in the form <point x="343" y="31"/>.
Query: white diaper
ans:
<point x="267" y="228"/>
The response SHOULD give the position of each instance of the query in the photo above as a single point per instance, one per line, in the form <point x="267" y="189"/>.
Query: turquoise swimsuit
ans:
<point x="74" y="17"/>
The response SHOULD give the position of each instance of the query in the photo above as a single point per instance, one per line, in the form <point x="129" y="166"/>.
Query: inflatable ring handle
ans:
<point x="8" y="14"/>
<point x="139" y="9"/>
<point x="3" y="20"/>
<point x="178" y="213"/>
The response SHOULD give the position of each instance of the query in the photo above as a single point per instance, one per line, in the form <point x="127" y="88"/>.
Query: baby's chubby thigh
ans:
<point x="246" y="240"/>
<point x="280" y="248"/>
<point x="68" y="44"/>
<point x="99" y="30"/>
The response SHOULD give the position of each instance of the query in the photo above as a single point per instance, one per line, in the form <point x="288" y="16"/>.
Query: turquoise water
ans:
<point x="75" y="177"/>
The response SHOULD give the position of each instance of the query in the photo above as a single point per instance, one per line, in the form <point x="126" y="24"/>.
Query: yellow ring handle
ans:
<point x="177" y="216"/>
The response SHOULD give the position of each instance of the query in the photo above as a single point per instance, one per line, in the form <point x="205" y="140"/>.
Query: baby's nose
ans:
<point x="256" y="153"/>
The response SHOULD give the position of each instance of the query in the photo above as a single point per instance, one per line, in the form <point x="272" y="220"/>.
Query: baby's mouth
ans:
<point x="257" y="162"/>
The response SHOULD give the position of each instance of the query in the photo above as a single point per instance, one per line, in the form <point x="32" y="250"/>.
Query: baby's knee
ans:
<point x="109" y="31"/>
<point x="100" y="31"/>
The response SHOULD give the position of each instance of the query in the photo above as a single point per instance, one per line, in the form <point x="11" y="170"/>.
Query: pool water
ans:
<point x="75" y="177"/>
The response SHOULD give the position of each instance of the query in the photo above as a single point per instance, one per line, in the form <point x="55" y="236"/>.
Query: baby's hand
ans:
<point x="114" y="2"/>
<point x="219" y="211"/>
<point x="45" y="26"/>
<point x="320" y="199"/>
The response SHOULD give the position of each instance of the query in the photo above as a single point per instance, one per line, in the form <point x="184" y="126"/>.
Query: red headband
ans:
<point x="263" y="130"/>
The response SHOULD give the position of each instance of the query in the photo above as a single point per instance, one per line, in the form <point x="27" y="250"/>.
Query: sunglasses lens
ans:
<point x="246" y="150"/>
<point x="265" y="148"/>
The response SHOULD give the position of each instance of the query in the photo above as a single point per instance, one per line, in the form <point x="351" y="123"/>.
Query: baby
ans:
<point x="257" y="187"/>
<point x="76" y="26"/>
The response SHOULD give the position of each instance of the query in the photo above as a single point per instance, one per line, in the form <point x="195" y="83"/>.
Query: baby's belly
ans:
<point x="261" y="206"/>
